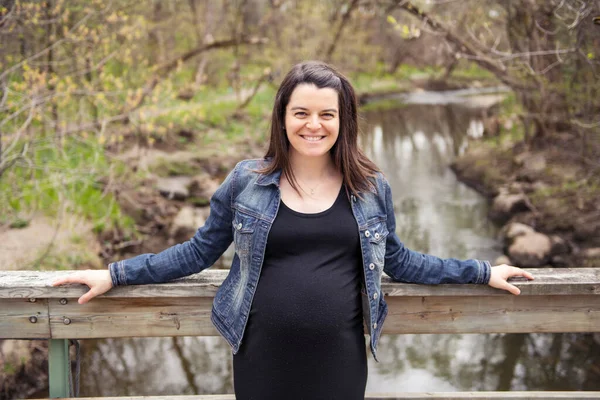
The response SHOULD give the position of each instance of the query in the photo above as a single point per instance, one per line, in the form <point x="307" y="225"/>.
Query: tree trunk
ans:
<point x="338" y="33"/>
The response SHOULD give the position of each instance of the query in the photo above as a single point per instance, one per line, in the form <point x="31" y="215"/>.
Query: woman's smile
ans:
<point x="312" y="121"/>
<point x="312" y="138"/>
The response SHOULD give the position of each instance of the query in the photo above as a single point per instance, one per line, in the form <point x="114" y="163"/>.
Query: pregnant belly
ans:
<point x="319" y="306"/>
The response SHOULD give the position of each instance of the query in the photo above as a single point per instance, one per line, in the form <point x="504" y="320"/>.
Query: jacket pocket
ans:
<point x="244" y="226"/>
<point x="377" y="234"/>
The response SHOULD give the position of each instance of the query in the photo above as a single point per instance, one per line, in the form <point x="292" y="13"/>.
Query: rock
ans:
<point x="559" y="246"/>
<point x="187" y="222"/>
<point x="174" y="188"/>
<point x="506" y="204"/>
<point x="519" y="159"/>
<point x="491" y="126"/>
<point x="530" y="250"/>
<point x="559" y="261"/>
<point x="538" y="186"/>
<point x="531" y="162"/>
<point x="203" y="187"/>
<point x="535" y="163"/>
<point x="23" y="368"/>
<point x="516" y="187"/>
<point x="532" y="166"/>
<point x="514" y="229"/>
<point x="587" y="229"/>
<point x="503" y="260"/>
<point x="593" y="252"/>
<point x="15" y="352"/>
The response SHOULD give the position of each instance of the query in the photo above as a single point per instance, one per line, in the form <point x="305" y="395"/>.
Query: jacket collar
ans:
<point x="270" y="179"/>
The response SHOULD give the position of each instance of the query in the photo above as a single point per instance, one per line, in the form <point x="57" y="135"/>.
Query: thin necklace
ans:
<point x="312" y="190"/>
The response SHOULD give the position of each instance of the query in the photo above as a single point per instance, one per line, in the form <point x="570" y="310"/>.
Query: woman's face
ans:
<point x="312" y="120"/>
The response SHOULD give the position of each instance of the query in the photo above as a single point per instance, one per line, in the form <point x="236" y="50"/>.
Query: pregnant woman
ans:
<point x="314" y="229"/>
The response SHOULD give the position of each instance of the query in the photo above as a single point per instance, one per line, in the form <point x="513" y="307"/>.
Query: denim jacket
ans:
<point x="243" y="209"/>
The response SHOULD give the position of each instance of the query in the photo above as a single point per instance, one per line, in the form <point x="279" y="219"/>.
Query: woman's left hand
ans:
<point x="500" y="274"/>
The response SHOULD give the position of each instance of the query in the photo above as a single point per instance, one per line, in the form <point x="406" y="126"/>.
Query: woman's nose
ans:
<point x="313" y="123"/>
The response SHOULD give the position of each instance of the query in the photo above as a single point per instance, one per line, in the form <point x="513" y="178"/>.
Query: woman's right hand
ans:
<point x="99" y="282"/>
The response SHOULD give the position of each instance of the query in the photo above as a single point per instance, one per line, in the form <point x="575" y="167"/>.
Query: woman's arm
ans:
<point x="192" y="256"/>
<point x="405" y="265"/>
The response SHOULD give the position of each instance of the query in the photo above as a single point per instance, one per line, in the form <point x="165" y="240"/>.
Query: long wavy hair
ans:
<point x="354" y="166"/>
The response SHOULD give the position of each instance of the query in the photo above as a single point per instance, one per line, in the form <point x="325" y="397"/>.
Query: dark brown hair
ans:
<point x="355" y="167"/>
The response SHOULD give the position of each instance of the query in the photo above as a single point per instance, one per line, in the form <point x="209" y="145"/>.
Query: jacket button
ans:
<point x="367" y="233"/>
<point x="371" y="266"/>
<point x="239" y="226"/>
<point x="377" y="235"/>
<point x="375" y="296"/>
<point x="375" y="325"/>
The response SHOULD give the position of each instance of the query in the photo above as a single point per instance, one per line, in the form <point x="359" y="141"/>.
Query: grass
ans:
<point x="55" y="180"/>
<point x="581" y="188"/>
<point x="383" y="105"/>
<point x="470" y="70"/>
<point x="18" y="223"/>
<point x="511" y="127"/>
<point x="166" y="168"/>
<point x="380" y="81"/>
<point x="9" y="368"/>
<point x="71" y="176"/>
<point x="75" y="258"/>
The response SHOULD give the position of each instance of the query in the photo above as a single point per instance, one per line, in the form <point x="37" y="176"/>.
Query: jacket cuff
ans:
<point x="485" y="272"/>
<point x="117" y="273"/>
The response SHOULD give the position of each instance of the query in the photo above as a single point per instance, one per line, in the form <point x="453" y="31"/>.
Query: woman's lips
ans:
<point x="312" y="138"/>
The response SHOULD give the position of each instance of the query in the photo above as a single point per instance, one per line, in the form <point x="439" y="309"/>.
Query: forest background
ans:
<point x="93" y="94"/>
<point x="100" y="100"/>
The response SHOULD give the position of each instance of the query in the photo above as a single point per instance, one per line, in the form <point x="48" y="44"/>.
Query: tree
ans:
<point x="547" y="53"/>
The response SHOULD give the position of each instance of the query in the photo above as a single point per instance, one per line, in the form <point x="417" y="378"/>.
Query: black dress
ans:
<point x="305" y="337"/>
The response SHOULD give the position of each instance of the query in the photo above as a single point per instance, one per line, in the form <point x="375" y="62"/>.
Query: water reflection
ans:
<point x="413" y="146"/>
<point x="156" y="366"/>
<point x="436" y="214"/>
<point x="489" y="362"/>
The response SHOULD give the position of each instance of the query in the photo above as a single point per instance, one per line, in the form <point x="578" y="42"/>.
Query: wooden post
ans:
<point x="58" y="368"/>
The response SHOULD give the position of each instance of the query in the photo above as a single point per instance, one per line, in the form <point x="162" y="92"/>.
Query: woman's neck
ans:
<point x="312" y="169"/>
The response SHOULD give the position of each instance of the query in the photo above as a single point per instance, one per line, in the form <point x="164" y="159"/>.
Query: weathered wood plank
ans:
<point x="141" y="311"/>
<point x="22" y="319"/>
<point x="549" y="281"/>
<point x="495" y="314"/>
<point x="180" y="316"/>
<point x="397" y="396"/>
<point x="109" y="317"/>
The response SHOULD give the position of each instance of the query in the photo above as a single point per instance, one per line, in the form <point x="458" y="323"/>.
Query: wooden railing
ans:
<point x="558" y="300"/>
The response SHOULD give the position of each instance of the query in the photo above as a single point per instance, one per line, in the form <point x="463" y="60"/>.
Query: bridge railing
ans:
<point x="558" y="300"/>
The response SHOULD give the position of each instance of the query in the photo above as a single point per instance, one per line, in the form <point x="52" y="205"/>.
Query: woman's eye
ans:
<point x="328" y="115"/>
<point x="300" y="114"/>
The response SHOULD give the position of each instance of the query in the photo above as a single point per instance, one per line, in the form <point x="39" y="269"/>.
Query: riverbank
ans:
<point x="546" y="197"/>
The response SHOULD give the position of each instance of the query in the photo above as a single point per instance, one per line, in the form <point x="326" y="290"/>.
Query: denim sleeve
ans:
<point x="405" y="265"/>
<point x="200" y="252"/>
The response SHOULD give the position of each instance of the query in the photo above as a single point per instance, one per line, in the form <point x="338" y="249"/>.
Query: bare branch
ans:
<point x="166" y="68"/>
<point x="8" y="15"/>
<point x="44" y="51"/>
<point x="338" y="33"/>
<point x="466" y="48"/>
<point x="265" y="76"/>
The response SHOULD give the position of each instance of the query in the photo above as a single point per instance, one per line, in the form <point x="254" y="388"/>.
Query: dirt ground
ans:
<point x="45" y="241"/>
